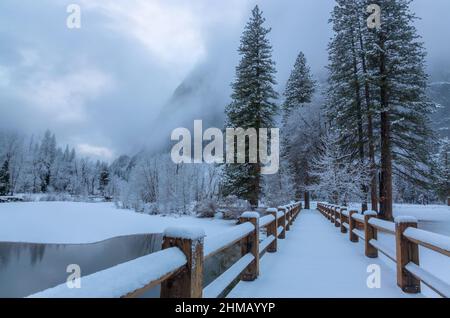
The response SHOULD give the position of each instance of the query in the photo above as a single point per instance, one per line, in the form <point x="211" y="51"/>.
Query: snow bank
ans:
<point x="271" y="210"/>
<point x="122" y="279"/>
<point x="189" y="233"/>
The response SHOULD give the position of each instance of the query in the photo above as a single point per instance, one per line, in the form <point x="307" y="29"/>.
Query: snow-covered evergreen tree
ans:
<point x="296" y="151"/>
<point x="5" y="178"/>
<point x="252" y="104"/>
<point x="377" y="86"/>
<point x="350" y="106"/>
<point x="337" y="180"/>
<point x="443" y="170"/>
<point x="300" y="86"/>
<point x="47" y="156"/>
<point x="396" y="59"/>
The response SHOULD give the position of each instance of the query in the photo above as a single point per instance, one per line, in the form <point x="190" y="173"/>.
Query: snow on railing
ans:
<point x="383" y="225"/>
<point x="223" y="240"/>
<point x="436" y="284"/>
<point x="178" y="267"/>
<point x="265" y="244"/>
<point x="280" y="230"/>
<point x="216" y="288"/>
<point x="436" y="242"/>
<point x="266" y="220"/>
<point x="358" y="217"/>
<point x="407" y="240"/>
<point x="130" y="278"/>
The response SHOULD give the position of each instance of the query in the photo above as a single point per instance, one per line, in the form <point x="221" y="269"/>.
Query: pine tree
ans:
<point x="47" y="156"/>
<point x="300" y="86"/>
<point x="443" y="170"/>
<point x="5" y="178"/>
<point x="252" y="104"/>
<point x="396" y="62"/>
<point x="299" y="92"/>
<point x="377" y="85"/>
<point x="349" y="107"/>
<point x="103" y="178"/>
<point x="338" y="179"/>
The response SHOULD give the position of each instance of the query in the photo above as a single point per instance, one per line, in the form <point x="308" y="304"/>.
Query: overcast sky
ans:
<point x="100" y="87"/>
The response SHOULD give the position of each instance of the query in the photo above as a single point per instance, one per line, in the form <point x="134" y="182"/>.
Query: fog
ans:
<point x="107" y="88"/>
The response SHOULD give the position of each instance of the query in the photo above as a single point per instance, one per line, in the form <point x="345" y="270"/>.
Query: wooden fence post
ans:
<point x="250" y="244"/>
<point x="189" y="282"/>
<point x="342" y="217"/>
<point x="272" y="230"/>
<point x="337" y="215"/>
<point x="288" y="218"/>
<point x="370" y="233"/>
<point x="332" y="214"/>
<point x="282" y="222"/>
<point x="407" y="252"/>
<point x="352" y="225"/>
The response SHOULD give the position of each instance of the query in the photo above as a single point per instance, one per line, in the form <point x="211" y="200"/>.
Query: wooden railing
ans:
<point x="178" y="267"/>
<point x="407" y="241"/>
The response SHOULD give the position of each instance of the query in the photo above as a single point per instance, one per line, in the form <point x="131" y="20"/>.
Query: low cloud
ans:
<point x="101" y="153"/>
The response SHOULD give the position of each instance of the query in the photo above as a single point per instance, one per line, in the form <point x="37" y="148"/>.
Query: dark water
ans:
<point x="29" y="268"/>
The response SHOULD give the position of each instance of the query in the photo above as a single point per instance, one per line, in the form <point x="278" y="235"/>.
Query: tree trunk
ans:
<point x="386" y="155"/>
<point x="307" y="200"/>
<point x="370" y="139"/>
<point x="358" y="105"/>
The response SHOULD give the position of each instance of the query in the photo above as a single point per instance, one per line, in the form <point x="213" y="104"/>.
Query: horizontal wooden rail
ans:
<point x="406" y="253"/>
<point x="216" y="288"/>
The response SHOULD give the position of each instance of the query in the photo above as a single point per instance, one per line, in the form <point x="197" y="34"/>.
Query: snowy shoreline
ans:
<point x="81" y="223"/>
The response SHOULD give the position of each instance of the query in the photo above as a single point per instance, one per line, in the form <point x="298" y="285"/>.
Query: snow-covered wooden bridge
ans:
<point x="307" y="258"/>
<point x="317" y="261"/>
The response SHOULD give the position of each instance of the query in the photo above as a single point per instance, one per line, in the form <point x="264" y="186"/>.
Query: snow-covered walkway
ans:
<point x="316" y="260"/>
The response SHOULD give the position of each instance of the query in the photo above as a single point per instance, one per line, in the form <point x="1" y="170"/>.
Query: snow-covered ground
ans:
<point x="70" y="222"/>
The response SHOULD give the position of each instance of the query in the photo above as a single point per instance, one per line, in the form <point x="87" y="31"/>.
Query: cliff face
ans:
<point x="202" y="95"/>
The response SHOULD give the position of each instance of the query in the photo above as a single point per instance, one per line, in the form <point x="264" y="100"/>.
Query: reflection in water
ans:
<point x="29" y="268"/>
